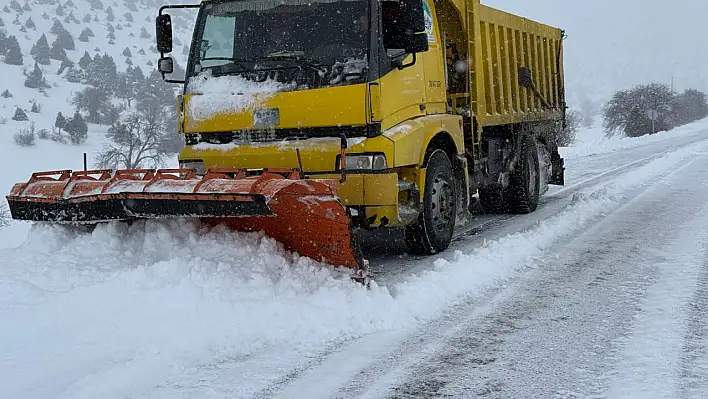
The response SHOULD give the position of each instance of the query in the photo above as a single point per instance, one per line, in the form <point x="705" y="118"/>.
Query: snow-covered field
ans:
<point x="162" y="309"/>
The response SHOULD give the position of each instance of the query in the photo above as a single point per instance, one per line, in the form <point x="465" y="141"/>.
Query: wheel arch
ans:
<point x="444" y="141"/>
<point x="440" y="141"/>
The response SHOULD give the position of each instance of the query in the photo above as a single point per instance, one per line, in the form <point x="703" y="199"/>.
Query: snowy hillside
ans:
<point x="122" y="29"/>
<point x="81" y="32"/>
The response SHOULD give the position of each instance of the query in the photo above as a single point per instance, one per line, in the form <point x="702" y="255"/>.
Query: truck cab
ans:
<point x="375" y="94"/>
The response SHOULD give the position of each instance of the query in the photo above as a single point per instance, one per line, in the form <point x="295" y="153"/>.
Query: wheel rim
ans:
<point x="441" y="202"/>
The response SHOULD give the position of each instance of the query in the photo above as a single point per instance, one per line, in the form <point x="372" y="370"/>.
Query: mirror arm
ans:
<point x="163" y="54"/>
<point x="397" y="62"/>
<point x="404" y="66"/>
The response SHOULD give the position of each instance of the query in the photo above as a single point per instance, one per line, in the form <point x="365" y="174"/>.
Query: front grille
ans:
<point x="262" y="136"/>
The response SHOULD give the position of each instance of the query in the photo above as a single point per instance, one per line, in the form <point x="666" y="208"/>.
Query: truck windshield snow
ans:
<point x="307" y="43"/>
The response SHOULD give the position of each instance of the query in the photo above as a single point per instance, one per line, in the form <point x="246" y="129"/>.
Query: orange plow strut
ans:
<point x="305" y="215"/>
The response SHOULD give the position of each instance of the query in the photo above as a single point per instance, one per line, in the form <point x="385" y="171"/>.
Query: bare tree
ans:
<point x="136" y="142"/>
<point x="4" y="216"/>
<point x="565" y="137"/>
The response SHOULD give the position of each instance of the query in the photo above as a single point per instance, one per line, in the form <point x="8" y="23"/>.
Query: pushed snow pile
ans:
<point x="214" y="95"/>
<point x="125" y="310"/>
<point x="123" y="306"/>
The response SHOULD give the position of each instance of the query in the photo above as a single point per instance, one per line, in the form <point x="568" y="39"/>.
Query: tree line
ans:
<point x="630" y="111"/>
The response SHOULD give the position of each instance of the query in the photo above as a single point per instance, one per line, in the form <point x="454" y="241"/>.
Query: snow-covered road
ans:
<point x="600" y="293"/>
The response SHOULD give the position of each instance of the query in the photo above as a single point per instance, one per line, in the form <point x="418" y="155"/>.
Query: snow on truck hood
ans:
<point x="210" y="96"/>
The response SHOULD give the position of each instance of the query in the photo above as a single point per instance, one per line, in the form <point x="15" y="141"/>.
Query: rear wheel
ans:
<point x="433" y="230"/>
<point x="522" y="194"/>
<point x="525" y="182"/>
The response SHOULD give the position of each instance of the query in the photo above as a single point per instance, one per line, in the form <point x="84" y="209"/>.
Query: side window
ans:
<point x="392" y="30"/>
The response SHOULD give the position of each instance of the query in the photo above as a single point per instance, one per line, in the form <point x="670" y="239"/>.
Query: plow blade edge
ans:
<point x="303" y="214"/>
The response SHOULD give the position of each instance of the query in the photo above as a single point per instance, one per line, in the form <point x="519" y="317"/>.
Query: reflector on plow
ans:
<point x="305" y="215"/>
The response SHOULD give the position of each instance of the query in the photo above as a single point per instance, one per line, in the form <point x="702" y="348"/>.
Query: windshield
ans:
<point x="309" y="43"/>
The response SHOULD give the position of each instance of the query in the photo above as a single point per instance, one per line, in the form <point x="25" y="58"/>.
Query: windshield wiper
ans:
<point x="236" y="61"/>
<point x="298" y="61"/>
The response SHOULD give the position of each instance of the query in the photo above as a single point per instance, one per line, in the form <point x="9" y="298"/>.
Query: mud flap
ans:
<point x="557" y="169"/>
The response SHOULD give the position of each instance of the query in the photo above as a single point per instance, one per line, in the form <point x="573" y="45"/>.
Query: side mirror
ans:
<point x="412" y="16"/>
<point x="163" y="33"/>
<point x="405" y="25"/>
<point x="165" y="65"/>
<point x="417" y="43"/>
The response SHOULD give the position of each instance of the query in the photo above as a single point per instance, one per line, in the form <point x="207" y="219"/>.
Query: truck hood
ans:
<point x="229" y="103"/>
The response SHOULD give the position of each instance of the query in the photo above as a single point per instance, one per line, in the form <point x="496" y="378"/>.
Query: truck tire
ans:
<point x="433" y="230"/>
<point x="525" y="183"/>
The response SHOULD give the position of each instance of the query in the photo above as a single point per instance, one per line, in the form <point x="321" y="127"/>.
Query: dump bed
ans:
<point x="502" y="45"/>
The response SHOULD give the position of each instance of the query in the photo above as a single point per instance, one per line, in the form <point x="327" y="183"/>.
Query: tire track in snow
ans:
<point x="694" y="362"/>
<point x="471" y="364"/>
<point x="416" y="344"/>
<point x="410" y="350"/>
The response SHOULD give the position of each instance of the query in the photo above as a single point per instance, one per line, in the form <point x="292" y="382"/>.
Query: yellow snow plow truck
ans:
<point x="313" y="119"/>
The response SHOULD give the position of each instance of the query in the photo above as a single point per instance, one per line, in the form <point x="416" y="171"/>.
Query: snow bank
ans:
<point x="227" y="94"/>
<point x="591" y="141"/>
<point x="118" y="311"/>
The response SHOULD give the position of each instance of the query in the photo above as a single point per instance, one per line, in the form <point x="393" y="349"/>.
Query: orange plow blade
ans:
<point x="305" y="215"/>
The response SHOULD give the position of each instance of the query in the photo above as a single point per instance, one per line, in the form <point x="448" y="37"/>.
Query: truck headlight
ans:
<point x="197" y="164"/>
<point x="364" y="162"/>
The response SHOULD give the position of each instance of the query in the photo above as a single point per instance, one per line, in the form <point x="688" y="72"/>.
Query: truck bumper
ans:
<point x="372" y="197"/>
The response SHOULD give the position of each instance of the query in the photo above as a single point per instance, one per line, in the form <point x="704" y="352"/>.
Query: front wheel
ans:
<point x="433" y="230"/>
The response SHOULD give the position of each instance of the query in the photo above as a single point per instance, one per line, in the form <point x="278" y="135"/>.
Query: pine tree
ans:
<point x="29" y="24"/>
<point x="20" y="115"/>
<point x="13" y="55"/>
<point x="77" y="129"/>
<point x="96" y="4"/>
<point x="59" y="11"/>
<point x="16" y="6"/>
<point x="3" y="42"/>
<point x="71" y="18"/>
<point x="126" y="52"/>
<point x="66" y="40"/>
<point x="85" y="60"/>
<point x="128" y="17"/>
<point x="64" y="65"/>
<point x="6" y="94"/>
<point x="41" y="51"/>
<point x="35" y="108"/>
<point x="26" y="7"/>
<point x="60" y="121"/>
<point x="83" y="37"/>
<point x="57" y="51"/>
<point x="57" y="27"/>
<point x="75" y="75"/>
<point x="87" y="18"/>
<point x="35" y="79"/>
<point x="144" y="34"/>
<point x="109" y="14"/>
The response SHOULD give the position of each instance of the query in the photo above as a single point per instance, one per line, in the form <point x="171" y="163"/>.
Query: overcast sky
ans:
<point x="615" y="44"/>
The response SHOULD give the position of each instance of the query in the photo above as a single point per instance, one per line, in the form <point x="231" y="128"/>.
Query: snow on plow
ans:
<point x="305" y="215"/>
